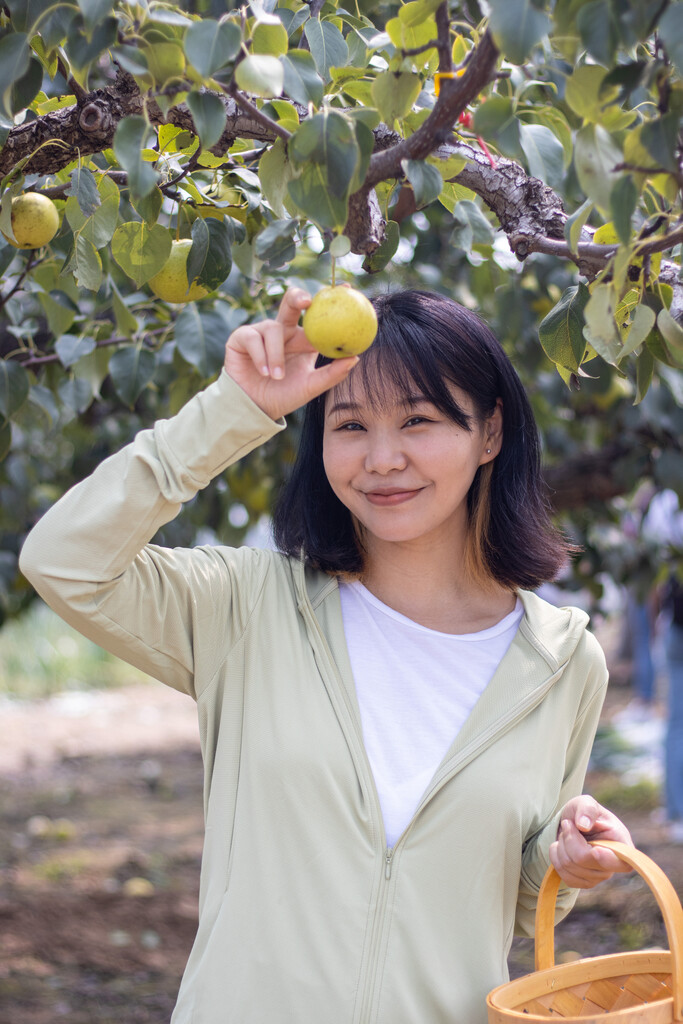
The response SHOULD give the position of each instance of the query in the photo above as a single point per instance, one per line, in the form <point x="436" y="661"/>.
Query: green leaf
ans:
<point x="329" y="140"/>
<point x="83" y="48"/>
<point x="544" y="153"/>
<point x="85" y="264"/>
<point x="260" y="75"/>
<point x="327" y="44"/>
<point x="517" y="25"/>
<point x="5" y="439"/>
<point x="312" y="195"/>
<point x="125" y="321"/>
<point x="660" y="138"/>
<point x="672" y="333"/>
<point x="495" y="120"/>
<point x="670" y="30"/>
<point x="561" y="331"/>
<point x="211" y="261"/>
<point x="416" y="12"/>
<point x="426" y="181"/>
<point x="210" y="45"/>
<point x="340" y="246"/>
<point x="149" y="206"/>
<point x="14" y="387"/>
<point x="25" y="13"/>
<point x="59" y="310"/>
<point x="275" y="244"/>
<point x="645" y="365"/>
<point x="575" y="223"/>
<point x="200" y="338"/>
<point x="595" y="157"/>
<point x="129" y="141"/>
<point x="622" y="203"/>
<point x="385" y="251"/>
<point x="394" y="93"/>
<point x="209" y="116"/>
<point x="139" y="250"/>
<point x="600" y="330"/>
<point x="100" y="226"/>
<point x="275" y="173"/>
<point x="14" y="62"/>
<point x="76" y="394"/>
<point x="131" y="369"/>
<point x="586" y="92"/>
<point x="302" y="83"/>
<point x="471" y="226"/>
<point x="131" y="58"/>
<point x="84" y="188"/>
<point x="269" y="37"/>
<point x="599" y="29"/>
<point x="70" y="348"/>
<point x="7" y="254"/>
<point x="25" y="89"/>
<point x="95" y="10"/>
<point x="641" y="325"/>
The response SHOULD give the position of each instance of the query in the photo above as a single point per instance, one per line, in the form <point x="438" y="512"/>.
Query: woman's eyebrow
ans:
<point x="406" y="402"/>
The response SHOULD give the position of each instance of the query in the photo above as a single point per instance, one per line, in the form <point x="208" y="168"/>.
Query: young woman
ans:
<point x="395" y="728"/>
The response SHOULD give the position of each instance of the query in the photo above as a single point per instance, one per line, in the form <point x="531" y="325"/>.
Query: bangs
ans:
<point x="399" y="367"/>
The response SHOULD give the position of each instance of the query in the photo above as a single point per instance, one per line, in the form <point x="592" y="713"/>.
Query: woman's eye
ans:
<point x="415" y="421"/>
<point x="349" y="426"/>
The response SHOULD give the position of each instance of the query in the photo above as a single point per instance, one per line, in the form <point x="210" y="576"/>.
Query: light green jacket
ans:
<point x="305" y="916"/>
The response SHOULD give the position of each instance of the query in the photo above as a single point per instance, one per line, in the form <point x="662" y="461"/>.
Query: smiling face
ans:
<point x="402" y="467"/>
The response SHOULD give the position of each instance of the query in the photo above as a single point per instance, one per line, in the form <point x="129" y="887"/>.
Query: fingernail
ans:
<point x="278" y="372"/>
<point x="584" y="822"/>
<point x="265" y="371"/>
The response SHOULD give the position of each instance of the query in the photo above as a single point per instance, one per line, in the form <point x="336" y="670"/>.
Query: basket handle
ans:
<point x="664" y="893"/>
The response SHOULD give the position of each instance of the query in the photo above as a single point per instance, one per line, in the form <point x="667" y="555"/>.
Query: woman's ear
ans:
<point x="493" y="433"/>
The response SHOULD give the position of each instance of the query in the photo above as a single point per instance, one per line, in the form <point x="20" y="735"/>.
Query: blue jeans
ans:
<point x="673" y="753"/>
<point x="643" y="667"/>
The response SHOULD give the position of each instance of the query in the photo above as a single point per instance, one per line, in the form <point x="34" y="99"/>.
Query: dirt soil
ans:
<point x="100" y="797"/>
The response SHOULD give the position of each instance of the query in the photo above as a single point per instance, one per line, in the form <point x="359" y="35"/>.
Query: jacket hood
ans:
<point x="553" y="631"/>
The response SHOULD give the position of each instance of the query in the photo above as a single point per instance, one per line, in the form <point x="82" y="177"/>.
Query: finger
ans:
<point x="326" y="377"/>
<point x="294" y="302"/>
<point x="248" y="340"/>
<point x="274" y="345"/>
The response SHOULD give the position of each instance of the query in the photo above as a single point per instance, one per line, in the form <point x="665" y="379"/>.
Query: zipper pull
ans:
<point x="387" y="865"/>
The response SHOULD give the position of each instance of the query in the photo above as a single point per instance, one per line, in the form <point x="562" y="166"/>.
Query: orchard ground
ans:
<point x="100" y="795"/>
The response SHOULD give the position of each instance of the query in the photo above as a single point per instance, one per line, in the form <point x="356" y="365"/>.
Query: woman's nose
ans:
<point x="384" y="454"/>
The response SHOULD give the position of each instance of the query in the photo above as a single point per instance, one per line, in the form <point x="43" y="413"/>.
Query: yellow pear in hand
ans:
<point x="35" y="221"/>
<point x="170" y="284"/>
<point x="340" y="322"/>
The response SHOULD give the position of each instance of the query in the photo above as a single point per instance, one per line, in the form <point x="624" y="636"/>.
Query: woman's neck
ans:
<point x="431" y="588"/>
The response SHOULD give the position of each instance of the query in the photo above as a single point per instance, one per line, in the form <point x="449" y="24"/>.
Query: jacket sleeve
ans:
<point x="90" y="559"/>
<point x="535" y="858"/>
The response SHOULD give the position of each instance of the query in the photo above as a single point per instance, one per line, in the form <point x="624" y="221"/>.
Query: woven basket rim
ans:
<point x="556" y="979"/>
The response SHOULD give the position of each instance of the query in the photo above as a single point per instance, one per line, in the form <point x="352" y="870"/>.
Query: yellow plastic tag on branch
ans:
<point x="441" y="75"/>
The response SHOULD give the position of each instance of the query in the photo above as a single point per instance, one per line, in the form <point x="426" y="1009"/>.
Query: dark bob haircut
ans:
<point x="426" y="342"/>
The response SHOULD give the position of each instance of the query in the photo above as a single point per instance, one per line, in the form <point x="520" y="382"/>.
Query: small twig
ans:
<point x="20" y="280"/>
<point x="262" y="119"/>
<point x="54" y="358"/>
<point x="433" y="44"/>
<point x="443" y="31"/>
<point x="190" y="166"/>
<point x="78" y="90"/>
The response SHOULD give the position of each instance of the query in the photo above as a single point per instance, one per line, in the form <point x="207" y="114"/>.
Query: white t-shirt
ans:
<point x="415" y="689"/>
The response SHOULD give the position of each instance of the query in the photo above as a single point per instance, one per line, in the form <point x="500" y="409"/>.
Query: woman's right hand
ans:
<point x="274" y="363"/>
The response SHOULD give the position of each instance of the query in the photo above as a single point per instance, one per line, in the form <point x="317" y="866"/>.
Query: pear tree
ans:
<point x="192" y="159"/>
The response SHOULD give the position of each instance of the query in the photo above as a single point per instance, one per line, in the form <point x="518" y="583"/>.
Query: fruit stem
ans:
<point x="334" y="264"/>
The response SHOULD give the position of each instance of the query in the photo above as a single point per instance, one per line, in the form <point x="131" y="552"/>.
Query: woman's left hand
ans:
<point x="577" y="863"/>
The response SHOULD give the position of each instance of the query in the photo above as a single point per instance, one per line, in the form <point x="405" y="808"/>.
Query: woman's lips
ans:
<point x="388" y="498"/>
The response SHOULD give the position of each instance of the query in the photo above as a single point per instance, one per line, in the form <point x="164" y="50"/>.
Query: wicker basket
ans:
<point x="623" y="988"/>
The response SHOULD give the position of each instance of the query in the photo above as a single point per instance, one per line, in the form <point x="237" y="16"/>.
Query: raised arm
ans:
<point x="90" y="558"/>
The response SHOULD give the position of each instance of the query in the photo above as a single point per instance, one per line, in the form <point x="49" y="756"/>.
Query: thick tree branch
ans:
<point x="455" y="95"/>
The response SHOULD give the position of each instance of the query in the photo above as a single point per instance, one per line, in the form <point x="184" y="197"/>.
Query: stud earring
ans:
<point x="488" y="451"/>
